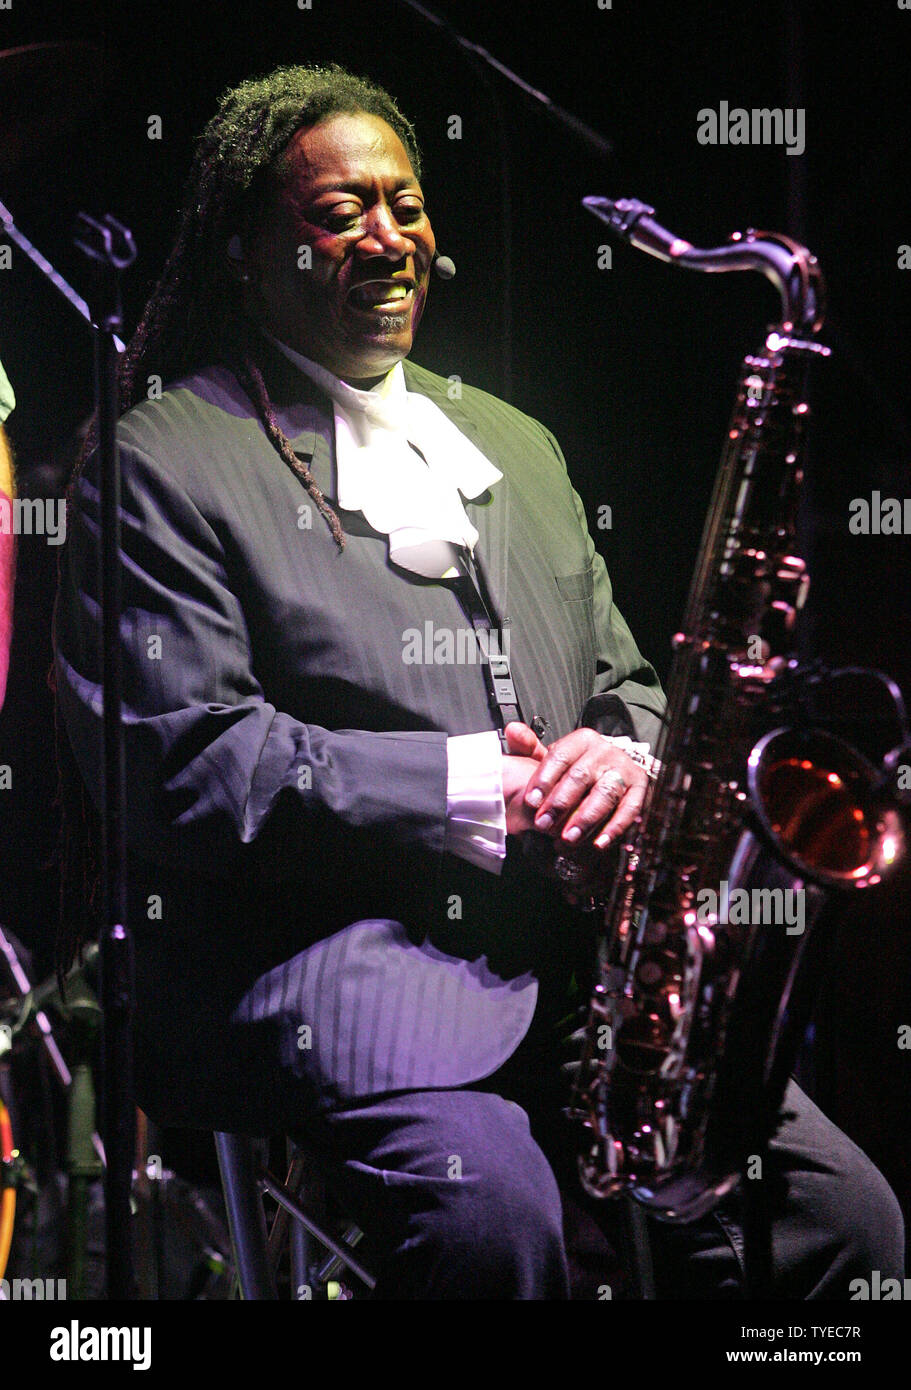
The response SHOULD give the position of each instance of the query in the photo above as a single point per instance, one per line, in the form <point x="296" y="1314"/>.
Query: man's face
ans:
<point x="350" y="195"/>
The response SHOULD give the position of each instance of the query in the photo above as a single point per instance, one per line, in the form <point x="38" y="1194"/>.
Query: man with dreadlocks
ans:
<point x="338" y="931"/>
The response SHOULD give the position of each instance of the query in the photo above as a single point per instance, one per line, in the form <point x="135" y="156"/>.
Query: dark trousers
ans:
<point x="460" y="1193"/>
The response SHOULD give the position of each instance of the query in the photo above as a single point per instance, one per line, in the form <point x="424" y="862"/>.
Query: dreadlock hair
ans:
<point x="193" y="315"/>
<point x="193" y="318"/>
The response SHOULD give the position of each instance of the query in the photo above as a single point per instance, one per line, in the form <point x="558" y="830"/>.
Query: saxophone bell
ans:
<point x="822" y="805"/>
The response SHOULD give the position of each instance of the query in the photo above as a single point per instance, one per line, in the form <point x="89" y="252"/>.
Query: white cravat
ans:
<point x="416" y="501"/>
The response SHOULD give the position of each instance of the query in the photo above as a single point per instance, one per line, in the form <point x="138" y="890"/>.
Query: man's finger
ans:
<point x="523" y="742"/>
<point x="560" y="758"/>
<point x="593" y="814"/>
<point x="623" y="817"/>
<point x="573" y="789"/>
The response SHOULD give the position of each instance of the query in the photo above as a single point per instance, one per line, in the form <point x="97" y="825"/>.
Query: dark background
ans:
<point x="633" y="368"/>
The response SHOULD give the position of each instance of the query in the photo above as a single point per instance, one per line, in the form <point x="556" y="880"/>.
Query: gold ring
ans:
<point x="612" y="778"/>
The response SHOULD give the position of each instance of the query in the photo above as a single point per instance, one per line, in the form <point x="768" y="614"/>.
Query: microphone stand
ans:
<point x="586" y="133"/>
<point x="110" y="248"/>
<point x="53" y="276"/>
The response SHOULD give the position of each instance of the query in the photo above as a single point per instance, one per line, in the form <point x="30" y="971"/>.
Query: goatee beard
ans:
<point x="389" y="323"/>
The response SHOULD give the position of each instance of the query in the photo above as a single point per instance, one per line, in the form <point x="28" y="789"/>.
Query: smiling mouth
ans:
<point x="382" y="297"/>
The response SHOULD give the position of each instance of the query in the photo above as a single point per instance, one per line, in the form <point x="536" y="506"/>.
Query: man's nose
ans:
<point x="384" y="237"/>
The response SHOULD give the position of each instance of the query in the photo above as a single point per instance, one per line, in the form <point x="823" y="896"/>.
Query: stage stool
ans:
<point x="245" y="1179"/>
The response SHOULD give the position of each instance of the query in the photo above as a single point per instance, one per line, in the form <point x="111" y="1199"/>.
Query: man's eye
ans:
<point x="338" y="220"/>
<point x="344" y="217"/>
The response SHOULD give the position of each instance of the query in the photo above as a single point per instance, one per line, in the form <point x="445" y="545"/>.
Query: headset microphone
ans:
<point x="443" y="266"/>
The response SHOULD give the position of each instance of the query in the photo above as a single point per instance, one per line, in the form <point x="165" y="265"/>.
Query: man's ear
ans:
<point x="236" y="258"/>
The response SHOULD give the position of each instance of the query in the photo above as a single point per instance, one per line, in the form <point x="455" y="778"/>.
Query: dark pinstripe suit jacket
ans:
<point x="302" y="935"/>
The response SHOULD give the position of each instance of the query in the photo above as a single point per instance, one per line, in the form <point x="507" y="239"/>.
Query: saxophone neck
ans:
<point x="792" y="269"/>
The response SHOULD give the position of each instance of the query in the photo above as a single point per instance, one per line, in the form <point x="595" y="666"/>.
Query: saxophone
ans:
<point x="707" y="958"/>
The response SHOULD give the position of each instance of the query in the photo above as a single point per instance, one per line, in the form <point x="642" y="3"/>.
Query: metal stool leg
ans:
<point x="314" y="1266"/>
<point x="342" y="1250"/>
<point x="245" y="1178"/>
<point x="240" y="1174"/>
<point x="303" y="1246"/>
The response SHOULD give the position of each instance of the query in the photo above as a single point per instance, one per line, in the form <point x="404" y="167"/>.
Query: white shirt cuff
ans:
<point x="475" y="809"/>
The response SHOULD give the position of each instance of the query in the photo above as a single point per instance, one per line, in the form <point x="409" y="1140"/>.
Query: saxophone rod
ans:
<point x="791" y="268"/>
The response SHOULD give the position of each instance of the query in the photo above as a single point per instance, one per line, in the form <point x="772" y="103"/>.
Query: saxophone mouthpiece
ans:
<point x="633" y="221"/>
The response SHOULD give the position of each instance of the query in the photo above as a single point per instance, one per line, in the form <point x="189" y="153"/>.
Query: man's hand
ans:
<point x="526" y="751"/>
<point x="581" y="789"/>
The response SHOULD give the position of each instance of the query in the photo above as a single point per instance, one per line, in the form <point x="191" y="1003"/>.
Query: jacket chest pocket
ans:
<point x="578" y="587"/>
